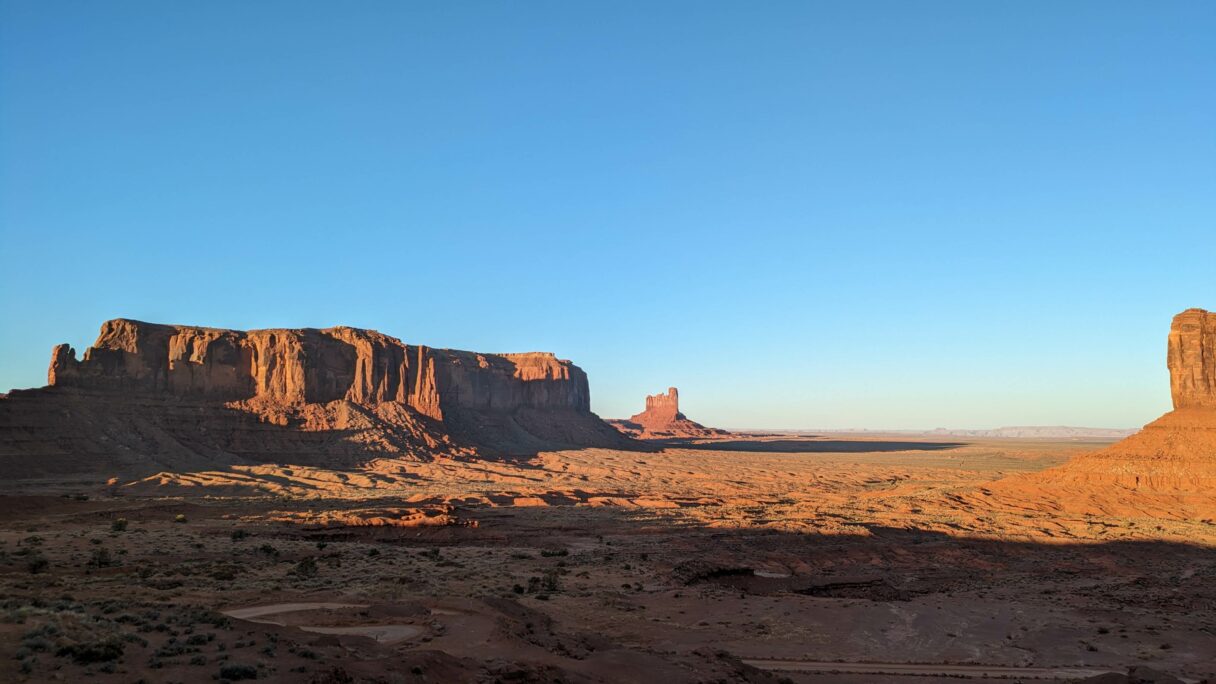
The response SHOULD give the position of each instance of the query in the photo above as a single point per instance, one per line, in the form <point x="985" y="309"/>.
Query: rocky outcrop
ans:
<point x="165" y="395"/>
<point x="1192" y="359"/>
<point x="662" y="419"/>
<point x="1166" y="469"/>
<point x="661" y="409"/>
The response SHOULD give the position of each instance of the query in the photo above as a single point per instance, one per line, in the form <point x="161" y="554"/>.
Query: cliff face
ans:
<point x="297" y="367"/>
<point x="168" y="397"/>
<point x="1192" y="359"/>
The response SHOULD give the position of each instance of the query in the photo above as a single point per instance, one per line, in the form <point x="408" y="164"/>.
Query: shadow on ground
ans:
<point x="801" y="446"/>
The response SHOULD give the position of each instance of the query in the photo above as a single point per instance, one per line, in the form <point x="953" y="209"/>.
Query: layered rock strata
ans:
<point x="169" y="394"/>
<point x="1168" y="468"/>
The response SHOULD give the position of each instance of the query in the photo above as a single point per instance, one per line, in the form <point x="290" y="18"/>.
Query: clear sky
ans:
<point x="802" y="214"/>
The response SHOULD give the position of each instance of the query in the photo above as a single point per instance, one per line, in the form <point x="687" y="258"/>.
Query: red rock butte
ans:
<point x="147" y="395"/>
<point x="662" y="418"/>
<point x="1192" y="359"/>
<point x="1169" y="467"/>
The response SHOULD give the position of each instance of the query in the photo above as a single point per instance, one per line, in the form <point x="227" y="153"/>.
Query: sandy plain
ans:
<point x="829" y="558"/>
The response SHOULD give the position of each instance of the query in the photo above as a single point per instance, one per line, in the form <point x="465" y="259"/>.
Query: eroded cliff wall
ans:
<point x="150" y="397"/>
<point x="1192" y="359"/>
<point x="309" y="366"/>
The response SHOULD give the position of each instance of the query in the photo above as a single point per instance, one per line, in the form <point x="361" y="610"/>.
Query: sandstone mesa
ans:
<point x="147" y="396"/>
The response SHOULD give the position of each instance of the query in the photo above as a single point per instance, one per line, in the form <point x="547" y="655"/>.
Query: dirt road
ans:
<point x="916" y="669"/>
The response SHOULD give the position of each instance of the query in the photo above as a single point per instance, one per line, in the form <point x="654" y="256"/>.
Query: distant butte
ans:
<point x="662" y="419"/>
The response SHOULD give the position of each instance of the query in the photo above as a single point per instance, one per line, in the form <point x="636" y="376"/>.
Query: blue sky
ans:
<point x="803" y="214"/>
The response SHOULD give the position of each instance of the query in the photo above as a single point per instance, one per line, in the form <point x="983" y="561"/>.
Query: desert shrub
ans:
<point x="336" y="675"/>
<point x="199" y="659"/>
<point x="235" y="672"/>
<point x="45" y="630"/>
<point x="547" y="553"/>
<point x="201" y="615"/>
<point x="37" y="564"/>
<point x="179" y="518"/>
<point x="268" y="550"/>
<point x="172" y="648"/>
<point x="518" y="589"/>
<point x="101" y="558"/>
<point x="238" y="535"/>
<point x="91" y="652"/>
<point x="37" y="644"/>
<point x="199" y="639"/>
<point x="118" y="525"/>
<point x="35" y="639"/>
<point x="307" y="567"/>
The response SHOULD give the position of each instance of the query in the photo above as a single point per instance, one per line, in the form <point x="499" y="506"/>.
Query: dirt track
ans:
<point x="963" y="671"/>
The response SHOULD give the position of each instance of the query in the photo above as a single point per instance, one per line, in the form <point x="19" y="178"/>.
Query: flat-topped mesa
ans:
<point x="1192" y="359"/>
<point x="293" y="367"/>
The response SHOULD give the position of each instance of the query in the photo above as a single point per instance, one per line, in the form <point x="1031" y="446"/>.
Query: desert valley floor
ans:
<point x="830" y="559"/>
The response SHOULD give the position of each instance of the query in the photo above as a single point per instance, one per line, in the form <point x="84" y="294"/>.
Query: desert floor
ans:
<point x="828" y="559"/>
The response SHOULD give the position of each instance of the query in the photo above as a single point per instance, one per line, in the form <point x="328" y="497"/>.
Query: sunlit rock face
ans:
<point x="152" y="397"/>
<point x="292" y="367"/>
<point x="662" y="418"/>
<point x="661" y="410"/>
<point x="1192" y="359"/>
<point x="1169" y="466"/>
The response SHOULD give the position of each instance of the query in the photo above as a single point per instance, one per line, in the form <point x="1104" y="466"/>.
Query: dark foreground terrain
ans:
<point x="843" y="560"/>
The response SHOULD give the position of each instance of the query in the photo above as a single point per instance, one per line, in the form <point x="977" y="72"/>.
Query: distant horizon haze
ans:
<point x="684" y="403"/>
<point x="859" y="215"/>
